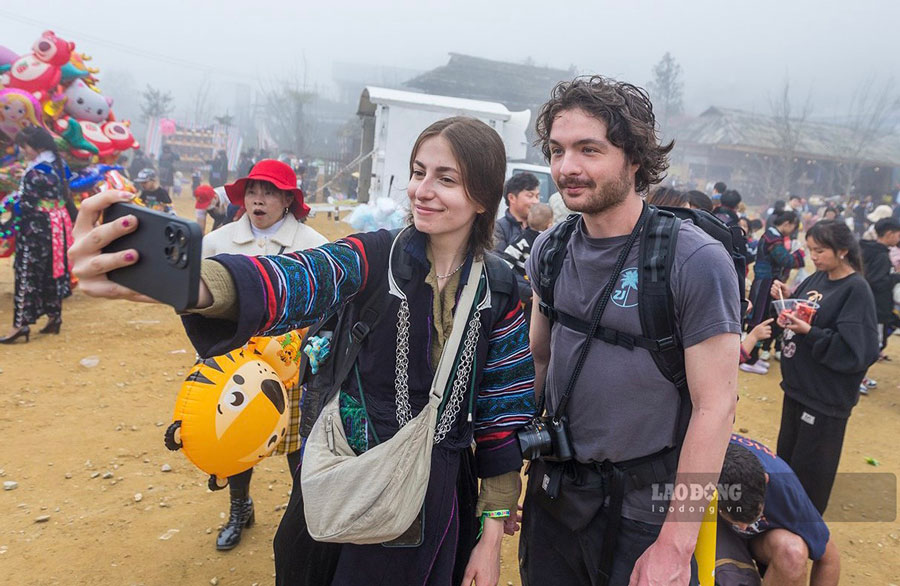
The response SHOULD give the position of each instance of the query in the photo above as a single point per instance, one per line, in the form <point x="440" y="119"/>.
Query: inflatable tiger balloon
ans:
<point x="231" y="412"/>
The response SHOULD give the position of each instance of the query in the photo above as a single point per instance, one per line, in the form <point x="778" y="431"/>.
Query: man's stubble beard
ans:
<point x="605" y="196"/>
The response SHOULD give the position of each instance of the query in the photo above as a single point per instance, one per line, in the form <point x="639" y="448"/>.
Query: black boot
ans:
<point x="241" y="516"/>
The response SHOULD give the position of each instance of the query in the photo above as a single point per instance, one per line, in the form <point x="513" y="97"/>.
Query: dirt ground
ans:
<point x="95" y="505"/>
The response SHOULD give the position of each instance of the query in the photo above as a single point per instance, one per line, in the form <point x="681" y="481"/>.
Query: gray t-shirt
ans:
<point x="622" y="407"/>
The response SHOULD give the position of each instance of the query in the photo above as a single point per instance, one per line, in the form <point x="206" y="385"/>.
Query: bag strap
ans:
<point x="369" y="315"/>
<point x="598" y="314"/>
<point x="451" y="347"/>
<point x="550" y="263"/>
<point x="657" y="309"/>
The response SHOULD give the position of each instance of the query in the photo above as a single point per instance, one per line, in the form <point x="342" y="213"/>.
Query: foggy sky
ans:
<point x="733" y="54"/>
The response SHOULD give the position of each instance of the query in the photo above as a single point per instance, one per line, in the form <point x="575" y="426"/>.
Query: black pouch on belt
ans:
<point x="572" y="492"/>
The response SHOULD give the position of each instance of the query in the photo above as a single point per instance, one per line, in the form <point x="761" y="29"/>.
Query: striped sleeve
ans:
<point x="277" y="294"/>
<point x="505" y="400"/>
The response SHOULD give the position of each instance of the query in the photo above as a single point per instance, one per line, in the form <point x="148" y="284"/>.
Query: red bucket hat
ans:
<point x="278" y="174"/>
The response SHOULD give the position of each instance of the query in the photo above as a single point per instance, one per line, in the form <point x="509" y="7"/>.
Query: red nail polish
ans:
<point x="125" y="223"/>
<point x="129" y="256"/>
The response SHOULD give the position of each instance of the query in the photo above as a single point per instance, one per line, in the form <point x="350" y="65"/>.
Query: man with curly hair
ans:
<point x="622" y="413"/>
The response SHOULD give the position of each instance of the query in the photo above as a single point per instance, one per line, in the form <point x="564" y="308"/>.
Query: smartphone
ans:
<point x="412" y="537"/>
<point x="169" y="249"/>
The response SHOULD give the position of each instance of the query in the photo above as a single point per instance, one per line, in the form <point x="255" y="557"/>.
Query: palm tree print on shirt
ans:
<point x="625" y="294"/>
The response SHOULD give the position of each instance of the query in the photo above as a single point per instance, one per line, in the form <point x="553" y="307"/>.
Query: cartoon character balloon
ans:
<point x="40" y="70"/>
<point x="119" y="134"/>
<point x="86" y="103"/>
<point x="18" y="109"/>
<point x="231" y="412"/>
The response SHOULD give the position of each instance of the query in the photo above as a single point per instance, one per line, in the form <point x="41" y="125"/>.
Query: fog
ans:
<point x="733" y="54"/>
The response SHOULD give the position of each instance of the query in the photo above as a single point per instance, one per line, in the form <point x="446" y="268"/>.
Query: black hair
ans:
<point x="743" y="482"/>
<point x="785" y="216"/>
<point x="699" y="200"/>
<point x="41" y="140"/>
<point x="731" y="199"/>
<point x="719" y="187"/>
<point x="778" y="206"/>
<point x="667" y="196"/>
<point x="837" y="236"/>
<point x="756" y="224"/>
<point x="518" y="183"/>
<point x="886" y="225"/>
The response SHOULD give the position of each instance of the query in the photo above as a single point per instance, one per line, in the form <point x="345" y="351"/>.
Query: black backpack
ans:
<point x="655" y="302"/>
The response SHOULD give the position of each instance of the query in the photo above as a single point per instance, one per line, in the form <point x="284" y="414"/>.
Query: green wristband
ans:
<point x="498" y="514"/>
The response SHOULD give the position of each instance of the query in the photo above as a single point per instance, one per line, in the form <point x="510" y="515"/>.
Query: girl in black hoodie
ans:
<point x="823" y="363"/>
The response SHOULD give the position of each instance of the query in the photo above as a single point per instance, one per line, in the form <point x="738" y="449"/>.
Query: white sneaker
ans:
<point x="863" y="389"/>
<point x="870" y="382"/>
<point x="765" y="355"/>
<point x="778" y="355"/>
<point x="764" y="363"/>
<point x="754" y="368"/>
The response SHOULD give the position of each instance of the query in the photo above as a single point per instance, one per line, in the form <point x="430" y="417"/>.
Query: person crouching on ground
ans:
<point x="774" y="518"/>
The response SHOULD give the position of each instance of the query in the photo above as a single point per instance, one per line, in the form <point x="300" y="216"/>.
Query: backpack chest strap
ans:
<point x="610" y="335"/>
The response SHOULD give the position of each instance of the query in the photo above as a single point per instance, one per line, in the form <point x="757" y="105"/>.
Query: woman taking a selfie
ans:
<point x="824" y="357"/>
<point x="456" y="182"/>
<point x="45" y="231"/>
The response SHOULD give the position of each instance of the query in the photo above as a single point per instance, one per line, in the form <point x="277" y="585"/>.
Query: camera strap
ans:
<point x="560" y="410"/>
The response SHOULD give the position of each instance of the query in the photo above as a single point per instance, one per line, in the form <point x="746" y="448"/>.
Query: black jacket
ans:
<point x="823" y="368"/>
<point x="506" y="231"/>
<point x="877" y="266"/>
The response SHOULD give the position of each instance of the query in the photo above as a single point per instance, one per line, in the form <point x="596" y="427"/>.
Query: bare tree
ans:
<point x="203" y="103"/>
<point x="284" y="107"/>
<point x="788" y="124"/>
<point x="225" y="120"/>
<point x="156" y="103"/>
<point x="667" y="89"/>
<point x="868" y="121"/>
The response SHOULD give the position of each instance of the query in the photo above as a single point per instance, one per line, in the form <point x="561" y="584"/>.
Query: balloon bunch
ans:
<point x="52" y="86"/>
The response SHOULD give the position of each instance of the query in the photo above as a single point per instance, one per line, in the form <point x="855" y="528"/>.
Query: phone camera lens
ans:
<point x="172" y="254"/>
<point x="183" y="259"/>
<point x="181" y="238"/>
<point x="170" y="234"/>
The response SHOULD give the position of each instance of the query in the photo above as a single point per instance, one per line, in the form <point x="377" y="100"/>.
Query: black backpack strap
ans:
<point x="656" y="305"/>
<point x="349" y="332"/>
<point x="550" y="263"/>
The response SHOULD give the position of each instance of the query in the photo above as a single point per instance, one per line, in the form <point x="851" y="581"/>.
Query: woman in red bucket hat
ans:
<point x="271" y="209"/>
<point x="273" y="206"/>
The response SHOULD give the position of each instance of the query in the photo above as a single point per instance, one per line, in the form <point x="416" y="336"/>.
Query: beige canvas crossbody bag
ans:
<point x="374" y="497"/>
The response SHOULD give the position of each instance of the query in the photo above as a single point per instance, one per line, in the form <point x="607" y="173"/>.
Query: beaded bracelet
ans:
<point x="498" y="514"/>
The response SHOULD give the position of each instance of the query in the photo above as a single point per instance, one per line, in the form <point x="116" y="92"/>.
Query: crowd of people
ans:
<point x="600" y="348"/>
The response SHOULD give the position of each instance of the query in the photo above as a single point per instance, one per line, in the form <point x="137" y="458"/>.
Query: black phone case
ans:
<point x="169" y="249"/>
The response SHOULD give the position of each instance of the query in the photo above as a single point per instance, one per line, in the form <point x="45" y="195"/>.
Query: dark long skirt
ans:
<point x="37" y="292"/>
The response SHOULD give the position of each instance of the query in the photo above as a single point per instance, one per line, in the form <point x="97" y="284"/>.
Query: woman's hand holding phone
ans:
<point x="91" y="265"/>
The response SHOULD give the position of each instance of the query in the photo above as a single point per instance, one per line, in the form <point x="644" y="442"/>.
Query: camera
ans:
<point x="546" y="438"/>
